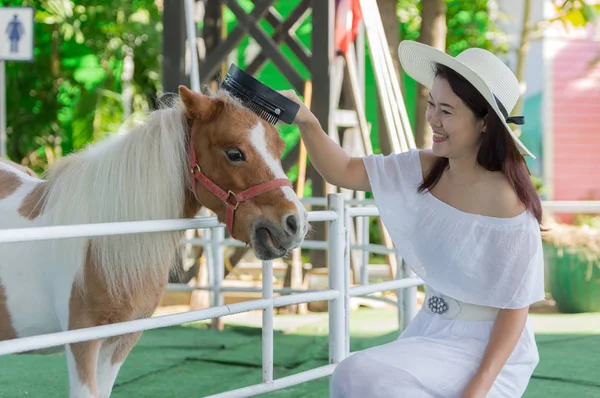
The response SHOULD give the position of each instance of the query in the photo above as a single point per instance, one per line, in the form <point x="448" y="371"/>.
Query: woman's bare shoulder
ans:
<point x="427" y="160"/>
<point x="503" y="198"/>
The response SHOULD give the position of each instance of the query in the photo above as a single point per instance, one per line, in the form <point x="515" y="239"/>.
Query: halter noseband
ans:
<point x="231" y="199"/>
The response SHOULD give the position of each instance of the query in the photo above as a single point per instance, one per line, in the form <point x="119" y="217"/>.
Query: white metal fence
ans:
<point x="339" y="292"/>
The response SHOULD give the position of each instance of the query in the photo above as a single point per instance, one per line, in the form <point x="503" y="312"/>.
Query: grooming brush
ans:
<point x="267" y="103"/>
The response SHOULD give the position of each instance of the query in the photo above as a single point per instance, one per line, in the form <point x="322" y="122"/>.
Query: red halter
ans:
<point x="231" y="199"/>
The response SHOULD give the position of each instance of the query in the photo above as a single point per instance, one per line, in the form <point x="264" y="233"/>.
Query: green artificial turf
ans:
<point x="193" y="360"/>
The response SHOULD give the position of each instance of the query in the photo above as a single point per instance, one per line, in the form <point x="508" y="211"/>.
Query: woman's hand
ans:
<point x="304" y="115"/>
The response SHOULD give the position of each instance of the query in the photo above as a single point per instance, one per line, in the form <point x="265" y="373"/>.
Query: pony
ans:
<point x="202" y="149"/>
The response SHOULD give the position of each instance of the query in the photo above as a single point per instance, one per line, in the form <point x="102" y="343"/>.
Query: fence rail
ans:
<point x="572" y="206"/>
<point x="338" y="294"/>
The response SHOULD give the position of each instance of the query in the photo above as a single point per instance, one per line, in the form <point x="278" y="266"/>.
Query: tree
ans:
<point x="453" y="26"/>
<point x="388" y="10"/>
<point x="73" y="91"/>
<point x="433" y="33"/>
<point x="575" y="13"/>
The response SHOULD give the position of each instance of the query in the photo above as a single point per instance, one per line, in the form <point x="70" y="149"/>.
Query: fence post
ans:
<point x="364" y="269"/>
<point x="400" y="293"/>
<point x="347" y="269"/>
<point x="335" y="258"/>
<point x="218" y="235"/>
<point x="409" y="299"/>
<point x="209" y="254"/>
<point x="267" y="322"/>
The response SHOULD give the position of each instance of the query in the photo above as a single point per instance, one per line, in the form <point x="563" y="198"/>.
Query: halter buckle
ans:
<point x="235" y="203"/>
<point x="195" y="169"/>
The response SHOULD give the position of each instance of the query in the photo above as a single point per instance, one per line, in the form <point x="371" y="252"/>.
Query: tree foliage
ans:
<point x="76" y="89"/>
<point x="73" y="91"/>
<point x="469" y="25"/>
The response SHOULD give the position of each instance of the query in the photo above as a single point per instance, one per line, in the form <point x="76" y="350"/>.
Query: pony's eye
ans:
<point x="235" y="155"/>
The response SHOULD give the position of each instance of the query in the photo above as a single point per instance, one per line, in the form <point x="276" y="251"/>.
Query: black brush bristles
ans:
<point x="265" y="102"/>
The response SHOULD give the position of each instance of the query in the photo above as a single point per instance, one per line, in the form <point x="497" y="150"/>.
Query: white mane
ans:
<point x="139" y="175"/>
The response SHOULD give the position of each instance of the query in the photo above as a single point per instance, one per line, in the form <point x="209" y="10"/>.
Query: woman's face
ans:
<point x="456" y="130"/>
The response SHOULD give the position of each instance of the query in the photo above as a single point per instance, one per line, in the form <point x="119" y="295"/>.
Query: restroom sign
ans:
<point x="16" y="33"/>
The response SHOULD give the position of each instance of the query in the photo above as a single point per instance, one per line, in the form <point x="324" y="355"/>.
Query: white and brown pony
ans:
<point x="204" y="150"/>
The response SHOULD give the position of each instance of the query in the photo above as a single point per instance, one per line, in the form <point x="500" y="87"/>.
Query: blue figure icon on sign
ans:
<point x="15" y="31"/>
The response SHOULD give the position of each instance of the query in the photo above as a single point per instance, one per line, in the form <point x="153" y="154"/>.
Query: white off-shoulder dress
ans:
<point x="474" y="265"/>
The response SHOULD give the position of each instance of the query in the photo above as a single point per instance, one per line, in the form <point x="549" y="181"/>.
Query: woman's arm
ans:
<point x="330" y="160"/>
<point x="510" y="323"/>
<point x="505" y="334"/>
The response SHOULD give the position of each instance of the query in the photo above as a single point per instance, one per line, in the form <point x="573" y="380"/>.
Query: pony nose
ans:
<point x="290" y="224"/>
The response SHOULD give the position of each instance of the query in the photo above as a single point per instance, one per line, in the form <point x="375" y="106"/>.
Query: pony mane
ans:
<point x="141" y="174"/>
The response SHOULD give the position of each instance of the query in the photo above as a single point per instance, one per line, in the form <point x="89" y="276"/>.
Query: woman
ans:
<point x="466" y="218"/>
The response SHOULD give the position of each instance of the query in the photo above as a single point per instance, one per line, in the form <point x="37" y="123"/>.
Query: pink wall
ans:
<point x="576" y="120"/>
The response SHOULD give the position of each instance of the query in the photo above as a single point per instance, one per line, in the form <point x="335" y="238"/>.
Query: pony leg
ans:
<point x="81" y="360"/>
<point x="112" y="355"/>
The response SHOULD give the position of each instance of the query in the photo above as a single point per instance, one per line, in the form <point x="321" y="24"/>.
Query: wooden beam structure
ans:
<point x="331" y="74"/>
<point x="173" y="47"/>
<point x="285" y="33"/>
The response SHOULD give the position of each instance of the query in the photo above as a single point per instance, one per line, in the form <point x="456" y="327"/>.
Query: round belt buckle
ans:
<point x="437" y="305"/>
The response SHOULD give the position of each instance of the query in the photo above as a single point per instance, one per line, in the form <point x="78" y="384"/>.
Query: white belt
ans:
<point x="449" y="308"/>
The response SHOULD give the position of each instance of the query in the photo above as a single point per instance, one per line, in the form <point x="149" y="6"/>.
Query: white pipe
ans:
<point x="383" y="86"/>
<point x="116" y="329"/>
<point x="347" y="267"/>
<point x="393" y="81"/>
<point x="104" y="229"/>
<point x="191" y="36"/>
<point x="331" y="294"/>
<point x="124" y="228"/>
<point x="101" y="332"/>
<point x="278" y="384"/>
<point x="372" y="248"/>
<point x="367" y="211"/>
<point x="572" y="206"/>
<point x="382" y="299"/>
<point x="409" y="295"/>
<point x="307" y="244"/>
<point x="382" y="286"/>
<point x="292" y="299"/>
<point x="180" y="287"/>
<point x="267" y="323"/>
<point x="322" y="215"/>
<point x="323" y="201"/>
<point x="337" y="308"/>
<point x="218" y="261"/>
<point x="364" y="266"/>
<point x="401" y="316"/>
<point x="131" y="227"/>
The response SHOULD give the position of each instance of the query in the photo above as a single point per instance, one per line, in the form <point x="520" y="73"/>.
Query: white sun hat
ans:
<point x="486" y="72"/>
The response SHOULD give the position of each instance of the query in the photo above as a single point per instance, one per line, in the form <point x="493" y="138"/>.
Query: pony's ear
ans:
<point x="196" y="105"/>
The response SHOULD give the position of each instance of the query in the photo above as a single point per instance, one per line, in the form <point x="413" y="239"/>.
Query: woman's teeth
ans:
<point x="438" y="137"/>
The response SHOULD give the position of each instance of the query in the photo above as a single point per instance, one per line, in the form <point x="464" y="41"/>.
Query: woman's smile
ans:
<point x="438" y="136"/>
